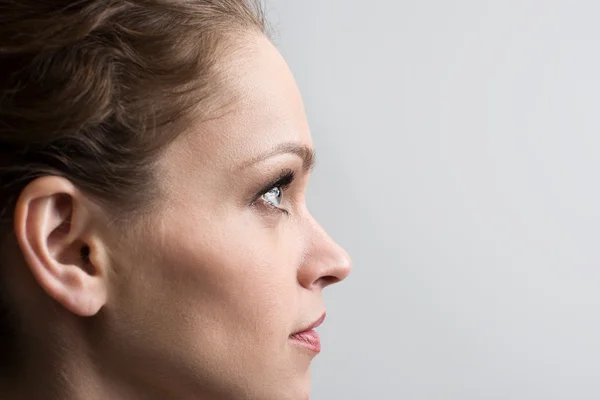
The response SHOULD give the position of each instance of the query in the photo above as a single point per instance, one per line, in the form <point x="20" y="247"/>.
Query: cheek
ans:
<point x="233" y="265"/>
<point x="211" y="300"/>
<point x="229" y="284"/>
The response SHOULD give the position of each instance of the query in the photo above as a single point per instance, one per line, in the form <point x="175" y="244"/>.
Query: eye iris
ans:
<point x="273" y="196"/>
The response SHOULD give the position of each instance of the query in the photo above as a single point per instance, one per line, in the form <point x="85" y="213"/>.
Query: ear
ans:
<point x="54" y="226"/>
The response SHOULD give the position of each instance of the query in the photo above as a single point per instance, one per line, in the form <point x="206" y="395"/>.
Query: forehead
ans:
<point x="266" y="110"/>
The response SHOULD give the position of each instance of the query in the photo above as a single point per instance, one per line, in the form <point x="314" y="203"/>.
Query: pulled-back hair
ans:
<point x="91" y="90"/>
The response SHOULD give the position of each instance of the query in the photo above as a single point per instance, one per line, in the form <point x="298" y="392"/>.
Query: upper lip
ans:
<point x="313" y="325"/>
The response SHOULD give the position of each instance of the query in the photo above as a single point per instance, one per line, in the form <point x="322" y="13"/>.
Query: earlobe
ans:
<point x="54" y="227"/>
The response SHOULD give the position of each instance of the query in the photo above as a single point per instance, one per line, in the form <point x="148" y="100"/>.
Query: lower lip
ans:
<point x="309" y="340"/>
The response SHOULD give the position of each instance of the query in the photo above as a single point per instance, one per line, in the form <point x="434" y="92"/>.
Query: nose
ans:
<point x="325" y="262"/>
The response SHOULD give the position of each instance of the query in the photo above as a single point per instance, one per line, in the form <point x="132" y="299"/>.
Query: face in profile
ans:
<point x="212" y="295"/>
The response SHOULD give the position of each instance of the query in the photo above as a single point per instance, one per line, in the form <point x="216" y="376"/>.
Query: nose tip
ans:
<point x="325" y="262"/>
<point x="339" y="268"/>
<point x="329" y="264"/>
<point x="344" y="264"/>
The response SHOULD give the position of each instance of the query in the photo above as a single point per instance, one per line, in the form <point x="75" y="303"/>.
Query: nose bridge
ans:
<point x="326" y="262"/>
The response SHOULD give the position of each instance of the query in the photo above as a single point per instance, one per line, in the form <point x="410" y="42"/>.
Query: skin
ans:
<point x="198" y="299"/>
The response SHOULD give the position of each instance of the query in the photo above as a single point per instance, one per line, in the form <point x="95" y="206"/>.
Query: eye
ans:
<point x="274" y="196"/>
<point x="273" y="193"/>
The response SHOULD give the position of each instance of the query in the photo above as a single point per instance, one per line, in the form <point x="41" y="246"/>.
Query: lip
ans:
<point x="308" y="338"/>
<point x="312" y="326"/>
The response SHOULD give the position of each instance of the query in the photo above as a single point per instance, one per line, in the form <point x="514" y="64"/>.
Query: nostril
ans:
<point x="328" y="280"/>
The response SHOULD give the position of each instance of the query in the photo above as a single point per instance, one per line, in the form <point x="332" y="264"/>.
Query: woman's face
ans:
<point x="207" y="296"/>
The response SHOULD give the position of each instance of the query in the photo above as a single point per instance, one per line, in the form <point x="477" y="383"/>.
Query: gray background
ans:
<point x="458" y="163"/>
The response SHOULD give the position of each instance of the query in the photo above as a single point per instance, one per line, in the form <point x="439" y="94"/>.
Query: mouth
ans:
<point x="308" y="338"/>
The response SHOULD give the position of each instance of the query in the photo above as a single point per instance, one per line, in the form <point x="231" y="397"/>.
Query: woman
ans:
<point x="154" y="156"/>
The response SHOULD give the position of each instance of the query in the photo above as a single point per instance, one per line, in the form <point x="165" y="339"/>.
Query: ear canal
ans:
<point x="85" y="253"/>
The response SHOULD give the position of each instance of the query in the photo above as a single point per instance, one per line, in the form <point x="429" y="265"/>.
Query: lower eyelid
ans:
<point x="270" y="208"/>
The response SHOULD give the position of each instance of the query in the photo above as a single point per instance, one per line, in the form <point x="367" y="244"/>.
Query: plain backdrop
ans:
<point x="459" y="163"/>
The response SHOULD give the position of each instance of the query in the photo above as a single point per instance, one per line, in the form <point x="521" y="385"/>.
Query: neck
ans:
<point x="74" y="373"/>
<point x="70" y="375"/>
<point x="71" y="379"/>
<point x="51" y="367"/>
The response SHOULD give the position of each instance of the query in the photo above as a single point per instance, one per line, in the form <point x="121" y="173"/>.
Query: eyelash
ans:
<point x="283" y="181"/>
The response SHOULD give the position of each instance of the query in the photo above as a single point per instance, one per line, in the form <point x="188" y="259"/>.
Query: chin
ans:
<point x="296" y="389"/>
<point x="300" y="390"/>
<point x="299" y="393"/>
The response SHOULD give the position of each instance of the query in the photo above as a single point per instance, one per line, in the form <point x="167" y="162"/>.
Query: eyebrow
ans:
<point x="306" y="153"/>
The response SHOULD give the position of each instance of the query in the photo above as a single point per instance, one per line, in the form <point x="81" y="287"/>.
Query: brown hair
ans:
<point x="91" y="90"/>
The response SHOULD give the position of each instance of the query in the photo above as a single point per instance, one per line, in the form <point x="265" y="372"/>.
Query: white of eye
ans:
<point x="273" y="196"/>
